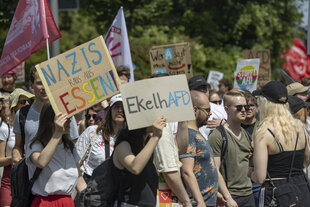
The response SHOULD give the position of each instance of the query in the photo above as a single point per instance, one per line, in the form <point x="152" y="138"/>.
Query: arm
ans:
<point x="81" y="184"/>
<point x="222" y="185"/>
<point x="4" y="161"/>
<point x="174" y="182"/>
<point x="182" y="137"/>
<point x="190" y="180"/>
<point x="215" y="122"/>
<point x="135" y="164"/>
<point x="260" y="157"/>
<point x="307" y="151"/>
<point x="41" y="159"/>
<point x="18" y="149"/>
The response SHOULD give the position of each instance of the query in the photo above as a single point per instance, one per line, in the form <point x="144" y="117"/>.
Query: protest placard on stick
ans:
<point x="246" y="74"/>
<point x="146" y="100"/>
<point x="173" y="59"/>
<point x="214" y="78"/>
<point x="79" y="78"/>
<point x="264" y="66"/>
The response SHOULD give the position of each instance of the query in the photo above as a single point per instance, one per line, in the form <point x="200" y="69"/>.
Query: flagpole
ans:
<point x="47" y="45"/>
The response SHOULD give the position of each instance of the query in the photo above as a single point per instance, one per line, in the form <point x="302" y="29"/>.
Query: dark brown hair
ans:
<point x="47" y="127"/>
<point x="123" y="70"/>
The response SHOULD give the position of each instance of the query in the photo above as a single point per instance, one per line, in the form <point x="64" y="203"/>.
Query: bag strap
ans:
<point x="6" y="143"/>
<point x="22" y="121"/>
<point x="35" y="175"/>
<point x="107" y="149"/>
<point x="292" y="163"/>
<point x="89" y="149"/>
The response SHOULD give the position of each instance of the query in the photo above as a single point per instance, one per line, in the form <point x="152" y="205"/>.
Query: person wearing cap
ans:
<point x="105" y="133"/>
<point x="297" y="89"/>
<point x="281" y="151"/>
<point x="298" y="108"/>
<point x="198" y="83"/>
<point x="32" y="120"/>
<point x="8" y="82"/>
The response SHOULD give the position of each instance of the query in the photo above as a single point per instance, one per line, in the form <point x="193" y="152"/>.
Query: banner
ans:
<point x="118" y="44"/>
<point x="264" y="75"/>
<point x="246" y="74"/>
<point x="146" y="100"/>
<point x="79" y="78"/>
<point x="213" y="79"/>
<point x="173" y="59"/>
<point x="30" y="27"/>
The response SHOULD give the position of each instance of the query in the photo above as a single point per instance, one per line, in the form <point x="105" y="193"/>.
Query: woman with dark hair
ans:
<point x="53" y="151"/>
<point x="95" y="140"/>
<point x="281" y="151"/>
<point x="133" y="156"/>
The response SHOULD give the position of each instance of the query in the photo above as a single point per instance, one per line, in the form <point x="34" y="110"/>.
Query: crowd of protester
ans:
<point x="243" y="148"/>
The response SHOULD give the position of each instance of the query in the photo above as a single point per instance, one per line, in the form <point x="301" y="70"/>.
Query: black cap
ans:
<point x="275" y="92"/>
<point x="196" y="81"/>
<point x="296" y="104"/>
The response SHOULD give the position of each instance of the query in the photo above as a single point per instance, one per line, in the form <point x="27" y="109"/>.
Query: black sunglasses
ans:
<point x="239" y="107"/>
<point x="219" y="102"/>
<point x="208" y="110"/>
<point x="90" y="115"/>
<point x="23" y="101"/>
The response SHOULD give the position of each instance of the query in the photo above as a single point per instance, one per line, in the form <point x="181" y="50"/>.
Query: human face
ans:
<point x="202" y="112"/>
<point x="252" y="111"/>
<point x="38" y="89"/>
<point x="222" y="88"/>
<point x="118" y="113"/>
<point x="303" y="96"/>
<point x="215" y="98"/>
<point x="90" y="117"/>
<point x="123" y="79"/>
<point x="22" y="101"/>
<point x="8" y="82"/>
<point x="232" y="110"/>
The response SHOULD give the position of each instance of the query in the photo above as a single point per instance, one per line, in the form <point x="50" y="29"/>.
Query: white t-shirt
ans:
<point x="59" y="177"/>
<point x="4" y="133"/>
<point x="218" y="112"/>
<point x="97" y="155"/>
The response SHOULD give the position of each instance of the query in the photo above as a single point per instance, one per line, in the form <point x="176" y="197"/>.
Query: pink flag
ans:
<point x="30" y="27"/>
<point x="118" y="44"/>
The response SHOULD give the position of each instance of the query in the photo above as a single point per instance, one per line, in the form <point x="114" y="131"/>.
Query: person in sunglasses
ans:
<point x="233" y="166"/>
<point x="199" y="171"/>
<point x="89" y="119"/>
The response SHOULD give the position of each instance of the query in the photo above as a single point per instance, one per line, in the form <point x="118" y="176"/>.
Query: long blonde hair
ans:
<point x="280" y="118"/>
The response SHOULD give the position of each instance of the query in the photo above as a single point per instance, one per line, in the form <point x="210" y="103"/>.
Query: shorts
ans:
<point x="52" y="201"/>
<point x="5" y="190"/>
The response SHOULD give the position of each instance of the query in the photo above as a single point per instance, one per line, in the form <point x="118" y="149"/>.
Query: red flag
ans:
<point x="297" y="61"/>
<point x="30" y="27"/>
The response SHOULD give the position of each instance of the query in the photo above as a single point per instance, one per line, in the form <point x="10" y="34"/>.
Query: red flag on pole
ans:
<point x="32" y="24"/>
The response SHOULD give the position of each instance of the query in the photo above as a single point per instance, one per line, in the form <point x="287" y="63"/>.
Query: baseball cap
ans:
<point x="115" y="98"/>
<point x="196" y="81"/>
<point x="14" y="96"/>
<point x="296" y="104"/>
<point x="296" y="87"/>
<point x="275" y="92"/>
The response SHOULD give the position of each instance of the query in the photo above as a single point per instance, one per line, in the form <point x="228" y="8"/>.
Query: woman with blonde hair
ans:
<point x="281" y="151"/>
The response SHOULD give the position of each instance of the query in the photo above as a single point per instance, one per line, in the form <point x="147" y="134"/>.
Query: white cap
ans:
<point x="115" y="98"/>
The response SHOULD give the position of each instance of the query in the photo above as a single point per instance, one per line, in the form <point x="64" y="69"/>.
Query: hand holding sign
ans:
<point x="158" y="126"/>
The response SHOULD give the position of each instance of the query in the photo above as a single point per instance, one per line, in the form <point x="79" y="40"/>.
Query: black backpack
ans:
<point x="20" y="184"/>
<point x="103" y="185"/>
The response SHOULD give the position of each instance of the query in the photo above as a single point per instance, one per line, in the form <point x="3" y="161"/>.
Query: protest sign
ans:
<point x="246" y="74"/>
<point x="173" y="59"/>
<point x="146" y="100"/>
<point x="264" y="66"/>
<point x="20" y="73"/>
<point x="165" y="196"/>
<point x="79" y="78"/>
<point x="213" y="79"/>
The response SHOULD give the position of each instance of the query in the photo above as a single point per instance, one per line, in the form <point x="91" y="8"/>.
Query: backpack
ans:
<point x="20" y="184"/>
<point x="102" y="186"/>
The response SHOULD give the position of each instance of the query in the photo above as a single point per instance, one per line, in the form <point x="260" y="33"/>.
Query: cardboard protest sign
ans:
<point x="146" y="100"/>
<point x="173" y="59"/>
<point x="246" y="74"/>
<point x="213" y="79"/>
<point x="79" y="78"/>
<point x="264" y="66"/>
<point x="165" y="197"/>
<point x="20" y="73"/>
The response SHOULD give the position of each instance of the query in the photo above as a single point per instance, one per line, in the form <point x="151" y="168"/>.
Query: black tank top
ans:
<point x="279" y="164"/>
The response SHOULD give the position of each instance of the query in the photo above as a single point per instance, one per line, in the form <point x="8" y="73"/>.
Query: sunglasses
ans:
<point x="23" y="101"/>
<point x="219" y="102"/>
<point x="208" y="110"/>
<point x="90" y="115"/>
<point x="239" y="107"/>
